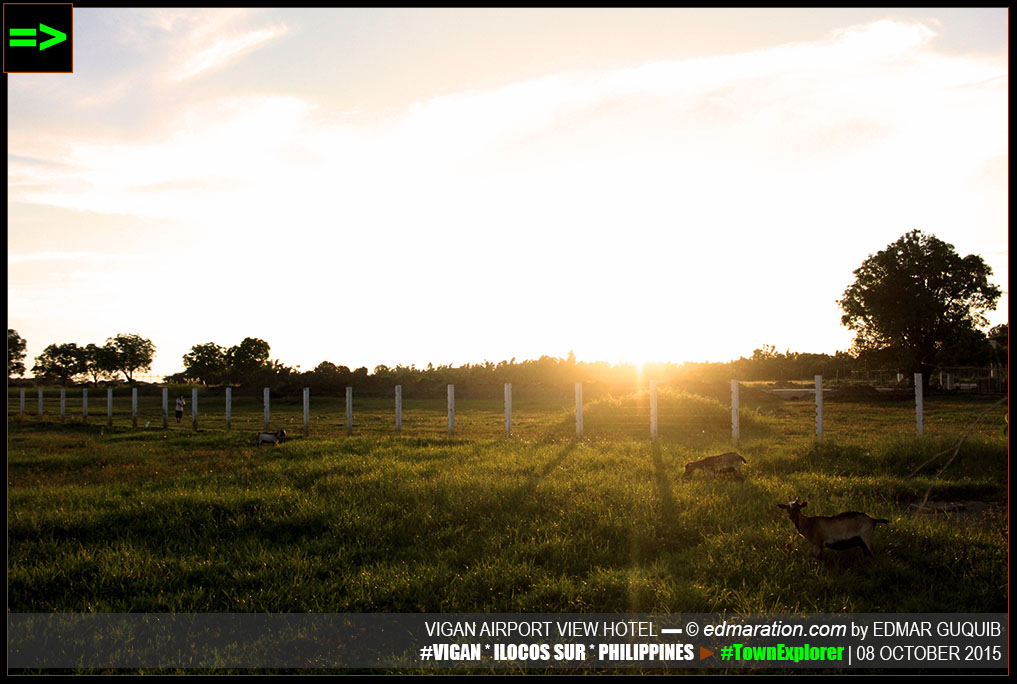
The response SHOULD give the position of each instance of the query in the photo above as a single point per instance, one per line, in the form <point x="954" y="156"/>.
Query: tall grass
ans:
<point x="119" y="520"/>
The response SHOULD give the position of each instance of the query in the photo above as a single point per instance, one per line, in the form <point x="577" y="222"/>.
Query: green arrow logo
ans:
<point x="58" y="37"/>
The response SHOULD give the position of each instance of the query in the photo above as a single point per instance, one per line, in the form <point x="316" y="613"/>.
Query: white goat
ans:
<point x="842" y="531"/>
<point x="272" y="438"/>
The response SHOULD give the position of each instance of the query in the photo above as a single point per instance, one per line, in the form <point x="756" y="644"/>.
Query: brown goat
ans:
<point x="729" y="463"/>
<point x="840" y="532"/>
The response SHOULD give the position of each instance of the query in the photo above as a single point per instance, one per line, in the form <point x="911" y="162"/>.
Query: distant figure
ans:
<point x="180" y="407"/>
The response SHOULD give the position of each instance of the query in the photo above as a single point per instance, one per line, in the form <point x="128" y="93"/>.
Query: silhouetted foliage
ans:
<point x="133" y="353"/>
<point x="102" y="363"/>
<point x="206" y="363"/>
<point x="60" y="363"/>
<point x="919" y="302"/>
<point x="16" y="346"/>
<point x="211" y="364"/>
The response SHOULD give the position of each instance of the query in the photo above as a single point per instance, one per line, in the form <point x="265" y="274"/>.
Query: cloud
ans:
<point x="19" y="259"/>
<point x="865" y="90"/>
<point x="656" y="179"/>
<point x="224" y="50"/>
<point x="196" y="41"/>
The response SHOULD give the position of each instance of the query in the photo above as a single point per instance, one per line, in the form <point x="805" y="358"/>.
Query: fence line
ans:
<point x="399" y="409"/>
<point x="653" y="410"/>
<point x="349" y="411"/>
<point x="307" y="412"/>
<point x="735" y="428"/>
<point x="819" y="407"/>
<point x="653" y="415"/>
<point x="451" y="410"/>
<point x="919" y="405"/>
<point x="579" y="410"/>
<point x="508" y="409"/>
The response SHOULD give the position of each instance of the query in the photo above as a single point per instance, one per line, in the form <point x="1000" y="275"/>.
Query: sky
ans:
<point x="412" y="186"/>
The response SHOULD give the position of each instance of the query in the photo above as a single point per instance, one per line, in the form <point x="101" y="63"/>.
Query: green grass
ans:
<point x="150" y="520"/>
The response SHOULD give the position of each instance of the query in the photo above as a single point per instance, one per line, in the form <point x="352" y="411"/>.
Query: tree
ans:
<point x="102" y="363"/>
<point x="206" y="363"/>
<point x="246" y="358"/>
<point x="917" y="299"/>
<point x="999" y="338"/>
<point x="16" y="347"/>
<point x="60" y="362"/>
<point x="133" y="353"/>
<point x="209" y="363"/>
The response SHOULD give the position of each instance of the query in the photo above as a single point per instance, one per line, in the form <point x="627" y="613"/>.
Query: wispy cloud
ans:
<point x="224" y="50"/>
<point x="81" y="257"/>
<point x="867" y="91"/>
<point x="199" y="41"/>
<point x="652" y="179"/>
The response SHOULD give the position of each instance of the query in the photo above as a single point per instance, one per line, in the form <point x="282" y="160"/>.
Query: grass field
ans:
<point x="115" y="519"/>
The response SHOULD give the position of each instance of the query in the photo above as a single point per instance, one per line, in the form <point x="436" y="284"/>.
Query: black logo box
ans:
<point x="58" y="58"/>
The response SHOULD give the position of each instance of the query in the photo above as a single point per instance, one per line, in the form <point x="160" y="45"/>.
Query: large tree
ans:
<point x="916" y="299"/>
<point x="205" y="363"/>
<point x="134" y="353"/>
<point x="246" y="358"/>
<point x="60" y="362"/>
<point x="102" y="363"/>
<point x="210" y="363"/>
<point x="16" y="347"/>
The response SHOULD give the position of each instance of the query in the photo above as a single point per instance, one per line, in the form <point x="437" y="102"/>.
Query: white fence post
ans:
<point x="508" y="409"/>
<point x="63" y="403"/>
<point x="307" y="411"/>
<point x="229" y="408"/>
<point x="451" y="410"/>
<point x="165" y="407"/>
<point x="579" y="410"/>
<point x="267" y="414"/>
<point x="349" y="411"/>
<point x="399" y="409"/>
<point x="919" y="405"/>
<point x="40" y="402"/>
<point x="735" y="428"/>
<point x="22" y="393"/>
<point x="194" y="408"/>
<point x="84" y="404"/>
<point x="653" y="410"/>
<point x="109" y="407"/>
<point x="819" y="407"/>
<point x="134" y="407"/>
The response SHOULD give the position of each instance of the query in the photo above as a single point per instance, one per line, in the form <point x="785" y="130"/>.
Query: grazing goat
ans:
<point x="272" y="438"/>
<point x="840" y="532"/>
<point x="730" y="461"/>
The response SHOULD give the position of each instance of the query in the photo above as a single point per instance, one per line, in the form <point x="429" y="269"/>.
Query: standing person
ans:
<point x="180" y="407"/>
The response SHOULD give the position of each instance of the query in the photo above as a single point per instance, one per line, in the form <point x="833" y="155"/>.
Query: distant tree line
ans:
<point x="248" y="366"/>
<point x="67" y="363"/>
